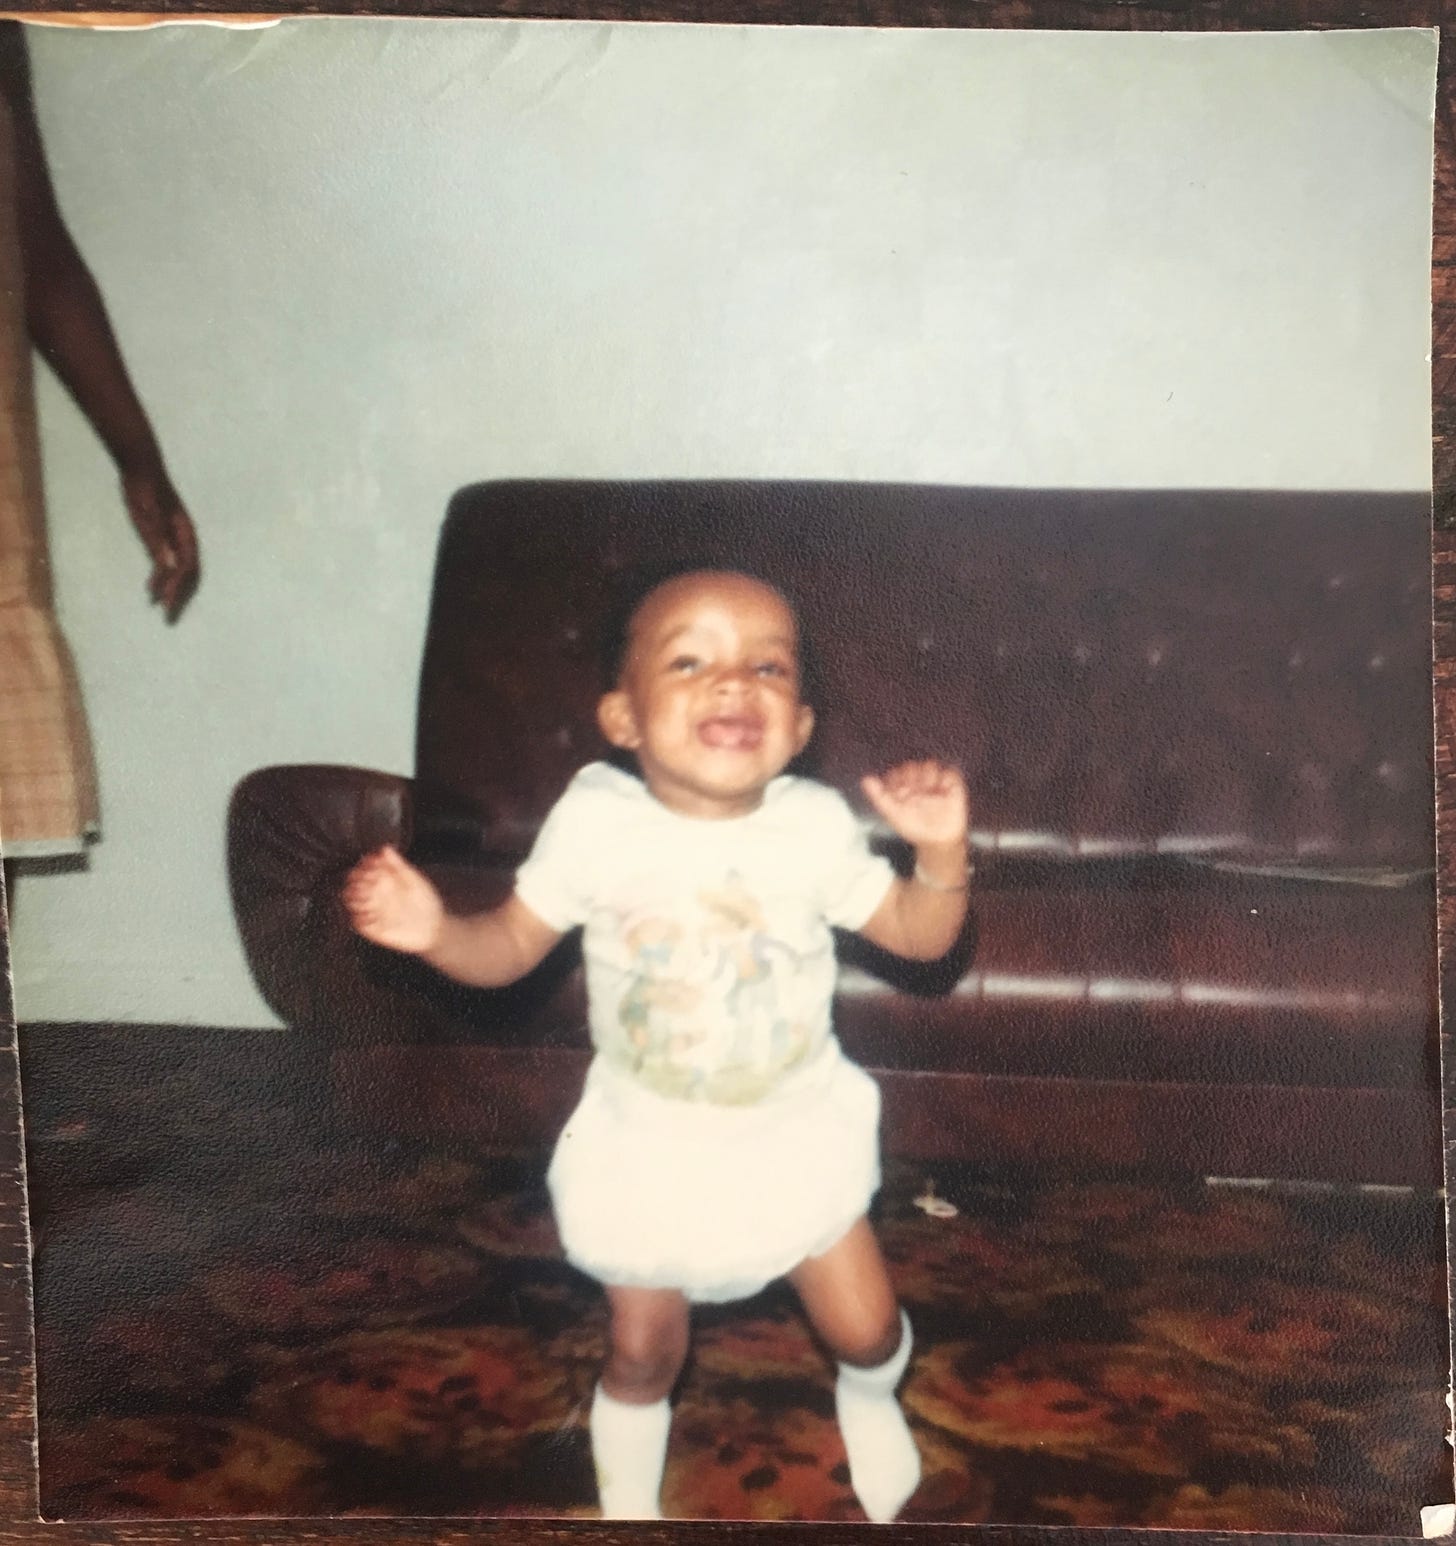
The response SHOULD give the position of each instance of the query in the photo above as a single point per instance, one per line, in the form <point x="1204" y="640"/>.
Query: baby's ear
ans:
<point x="618" y="722"/>
<point x="804" y="727"/>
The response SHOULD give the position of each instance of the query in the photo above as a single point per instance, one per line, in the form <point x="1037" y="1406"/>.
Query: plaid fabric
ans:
<point x="47" y="782"/>
<point x="47" y="789"/>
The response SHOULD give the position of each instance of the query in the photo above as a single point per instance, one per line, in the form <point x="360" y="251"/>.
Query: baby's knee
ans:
<point x="870" y="1343"/>
<point x="645" y="1360"/>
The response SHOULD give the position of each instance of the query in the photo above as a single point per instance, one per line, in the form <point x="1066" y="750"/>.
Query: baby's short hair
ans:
<point x="639" y="583"/>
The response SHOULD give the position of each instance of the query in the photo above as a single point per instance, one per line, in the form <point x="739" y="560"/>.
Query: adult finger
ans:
<point x="163" y="579"/>
<point x="145" y="509"/>
<point x="186" y="573"/>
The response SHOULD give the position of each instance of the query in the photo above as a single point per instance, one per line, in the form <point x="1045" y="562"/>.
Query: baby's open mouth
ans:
<point x="732" y="732"/>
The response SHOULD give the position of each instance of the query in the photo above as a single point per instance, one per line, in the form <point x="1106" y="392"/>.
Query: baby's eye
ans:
<point x="684" y="665"/>
<point x="772" y="668"/>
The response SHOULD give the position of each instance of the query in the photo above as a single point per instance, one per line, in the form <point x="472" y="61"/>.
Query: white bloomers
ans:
<point x="714" y="1200"/>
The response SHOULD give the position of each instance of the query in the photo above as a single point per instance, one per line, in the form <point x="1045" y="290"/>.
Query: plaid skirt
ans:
<point x="47" y="777"/>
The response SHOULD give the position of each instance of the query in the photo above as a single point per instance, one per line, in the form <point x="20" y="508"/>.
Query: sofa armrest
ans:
<point x="293" y="833"/>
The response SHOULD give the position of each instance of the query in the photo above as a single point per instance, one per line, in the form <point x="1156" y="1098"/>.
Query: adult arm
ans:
<point x="67" y="322"/>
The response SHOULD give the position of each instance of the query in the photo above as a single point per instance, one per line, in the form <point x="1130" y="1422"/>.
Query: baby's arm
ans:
<point x="926" y="804"/>
<point x="391" y="903"/>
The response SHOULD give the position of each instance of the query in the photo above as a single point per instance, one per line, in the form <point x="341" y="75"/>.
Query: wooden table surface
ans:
<point x="17" y="1481"/>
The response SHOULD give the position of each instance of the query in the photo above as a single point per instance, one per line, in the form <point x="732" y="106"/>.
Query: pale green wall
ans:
<point x="357" y="264"/>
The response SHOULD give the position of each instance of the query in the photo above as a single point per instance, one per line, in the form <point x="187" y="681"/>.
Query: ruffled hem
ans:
<point x="715" y="1201"/>
<point x="48" y="847"/>
<point x="680" y="1277"/>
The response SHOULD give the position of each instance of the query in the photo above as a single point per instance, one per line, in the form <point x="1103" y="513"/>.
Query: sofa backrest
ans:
<point x="1239" y="676"/>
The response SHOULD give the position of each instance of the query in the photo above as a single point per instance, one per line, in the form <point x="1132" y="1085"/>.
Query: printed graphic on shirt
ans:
<point x="713" y="1003"/>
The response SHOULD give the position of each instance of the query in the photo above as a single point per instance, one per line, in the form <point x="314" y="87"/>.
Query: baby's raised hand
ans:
<point x="391" y="903"/>
<point x="924" y="802"/>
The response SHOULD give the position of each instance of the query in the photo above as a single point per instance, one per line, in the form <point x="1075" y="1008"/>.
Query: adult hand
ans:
<point x="168" y="535"/>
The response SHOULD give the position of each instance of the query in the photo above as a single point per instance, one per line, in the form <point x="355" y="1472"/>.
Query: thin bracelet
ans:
<point x="936" y="885"/>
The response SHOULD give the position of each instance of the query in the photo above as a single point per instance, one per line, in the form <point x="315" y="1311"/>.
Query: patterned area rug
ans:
<point x="238" y="1314"/>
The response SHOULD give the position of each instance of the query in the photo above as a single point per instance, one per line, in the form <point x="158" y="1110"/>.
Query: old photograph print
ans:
<point x="1068" y="394"/>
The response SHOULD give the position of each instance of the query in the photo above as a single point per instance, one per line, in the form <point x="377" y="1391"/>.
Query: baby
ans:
<point x="723" y="1140"/>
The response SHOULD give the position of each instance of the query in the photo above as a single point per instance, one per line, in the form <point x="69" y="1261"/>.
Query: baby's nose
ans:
<point x="734" y="678"/>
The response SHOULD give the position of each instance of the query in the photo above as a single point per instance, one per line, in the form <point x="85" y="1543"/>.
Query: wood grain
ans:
<point x="17" y="1491"/>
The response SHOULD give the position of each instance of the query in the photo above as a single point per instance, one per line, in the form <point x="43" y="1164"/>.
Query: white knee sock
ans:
<point x="884" y="1465"/>
<point x="629" y="1447"/>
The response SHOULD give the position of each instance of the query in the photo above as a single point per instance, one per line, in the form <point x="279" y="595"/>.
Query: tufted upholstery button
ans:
<point x="1009" y="632"/>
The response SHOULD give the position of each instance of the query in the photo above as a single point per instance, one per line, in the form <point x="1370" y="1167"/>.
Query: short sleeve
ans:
<point x="551" y="881"/>
<point x="856" y="881"/>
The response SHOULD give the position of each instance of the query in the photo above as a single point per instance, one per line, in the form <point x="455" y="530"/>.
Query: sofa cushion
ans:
<point x="1242" y="675"/>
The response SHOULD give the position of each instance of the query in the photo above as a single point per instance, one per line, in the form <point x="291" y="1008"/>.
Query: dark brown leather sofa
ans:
<point x="1196" y="728"/>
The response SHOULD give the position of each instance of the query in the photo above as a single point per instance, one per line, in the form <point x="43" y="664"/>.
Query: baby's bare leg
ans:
<point x="630" y="1414"/>
<point x="848" y="1297"/>
<point x="649" y="1341"/>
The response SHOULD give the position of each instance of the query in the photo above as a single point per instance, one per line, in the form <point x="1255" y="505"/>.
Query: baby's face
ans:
<point x="709" y="697"/>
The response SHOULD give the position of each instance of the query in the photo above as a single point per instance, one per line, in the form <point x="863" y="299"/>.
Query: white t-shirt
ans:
<point x="709" y="961"/>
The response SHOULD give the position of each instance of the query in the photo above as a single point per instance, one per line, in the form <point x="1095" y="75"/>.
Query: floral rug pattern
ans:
<point x="254" y="1317"/>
